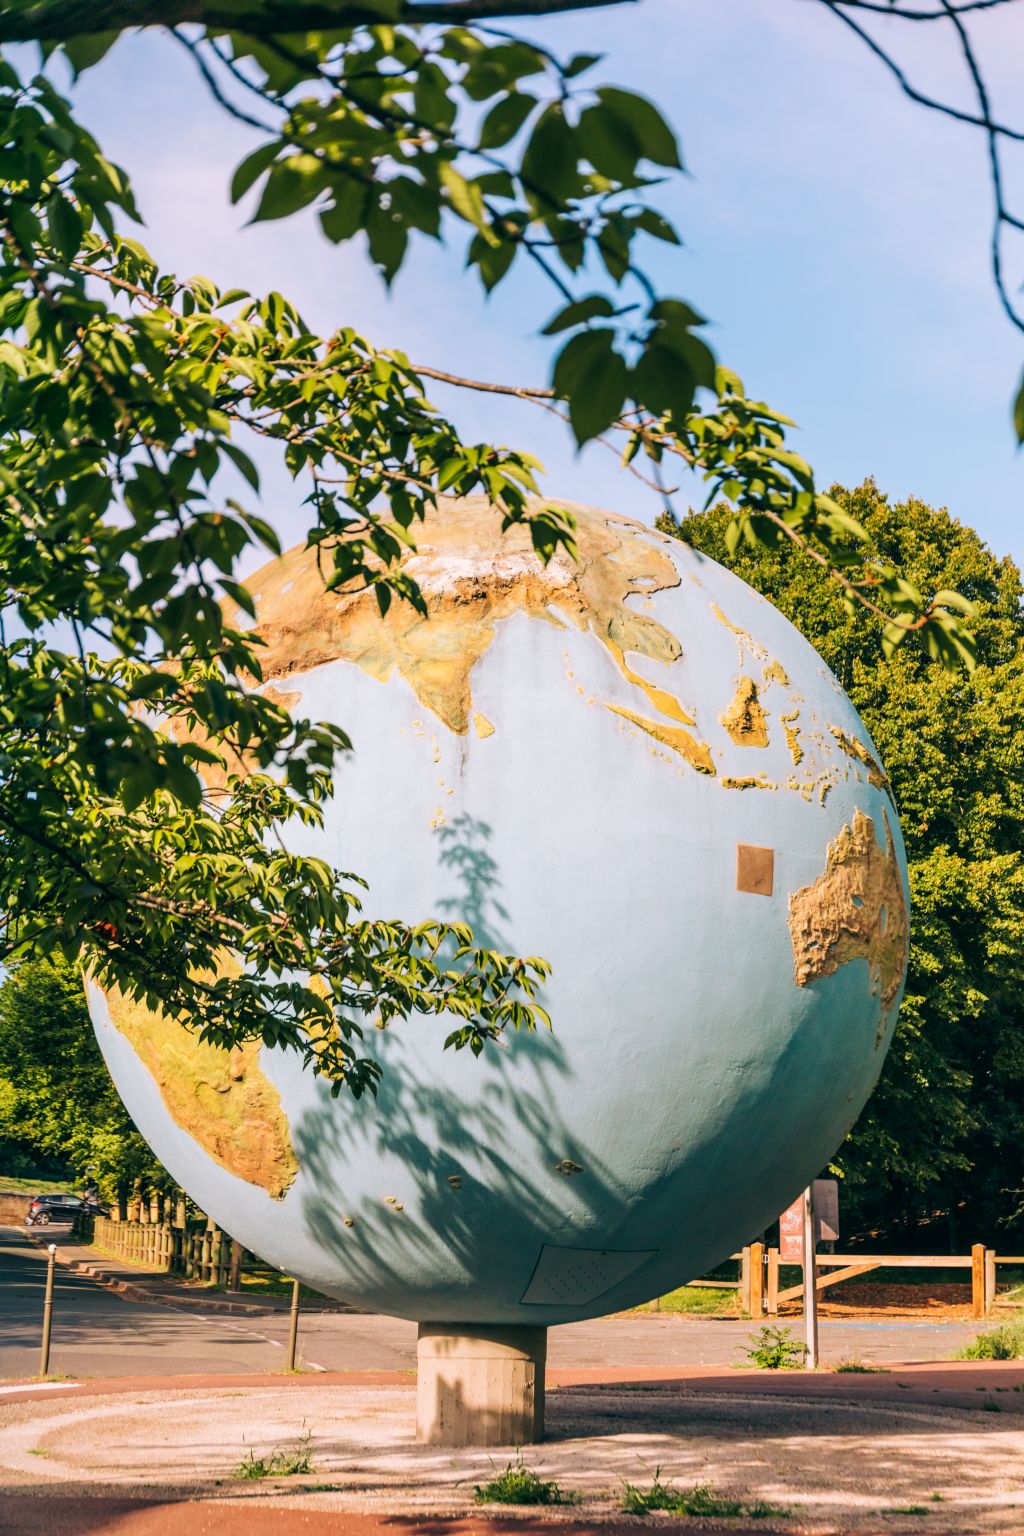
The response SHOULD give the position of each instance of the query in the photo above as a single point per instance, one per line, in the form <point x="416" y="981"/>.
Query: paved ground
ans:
<point x="98" y="1333"/>
<point x="146" y="1447"/>
<point x="932" y="1448"/>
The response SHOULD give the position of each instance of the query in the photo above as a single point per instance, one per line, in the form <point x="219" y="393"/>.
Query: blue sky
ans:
<point x="835" y="234"/>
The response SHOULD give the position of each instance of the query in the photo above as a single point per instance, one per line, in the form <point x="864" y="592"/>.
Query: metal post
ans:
<point x="810" y="1283"/>
<point x="44" y="1358"/>
<point x="293" y="1330"/>
<point x="236" y="1265"/>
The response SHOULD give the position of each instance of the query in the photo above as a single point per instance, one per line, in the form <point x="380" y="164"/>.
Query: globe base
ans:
<point x="480" y="1385"/>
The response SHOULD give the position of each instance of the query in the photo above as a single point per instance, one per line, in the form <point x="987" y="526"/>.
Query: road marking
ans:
<point x="43" y="1386"/>
<point x="250" y="1333"/>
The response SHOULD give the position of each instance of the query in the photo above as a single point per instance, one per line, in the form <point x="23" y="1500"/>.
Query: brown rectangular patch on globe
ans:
<point x="755" y="869"/>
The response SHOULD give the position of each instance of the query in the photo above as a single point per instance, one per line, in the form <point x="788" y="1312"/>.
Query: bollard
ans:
<point x="293" y="1330"/>
<point x="44" y="1359"/>
<point x="236" y="1265"/>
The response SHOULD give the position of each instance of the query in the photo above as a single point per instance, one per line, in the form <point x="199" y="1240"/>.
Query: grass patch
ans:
<point x="268" y="1282"/>
<point x="519" y="1484"/>
<point x="37" y="1186"/>
<point x="38" y="1452"/>
<point x="775" y="1349"/>
<point x="855" y="1367"/>
<point x="704" y="1300"/>
<point x="908" y="1509"/>
<point x="1003" y="1343"/>
<point x="280" y="1463"/>
<point x="701" y="1501"/>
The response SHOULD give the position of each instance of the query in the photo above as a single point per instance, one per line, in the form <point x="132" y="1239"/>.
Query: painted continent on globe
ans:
<point x="633" y="765"/>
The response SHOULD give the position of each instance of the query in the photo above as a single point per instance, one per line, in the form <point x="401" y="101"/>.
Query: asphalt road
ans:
<point x="98" y="1333"/>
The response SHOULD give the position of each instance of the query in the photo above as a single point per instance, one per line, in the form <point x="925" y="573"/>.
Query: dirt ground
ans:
<point x="937" y="1303"/>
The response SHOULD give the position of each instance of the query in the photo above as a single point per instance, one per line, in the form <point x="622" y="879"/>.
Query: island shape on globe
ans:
<point x="634" y="766"/>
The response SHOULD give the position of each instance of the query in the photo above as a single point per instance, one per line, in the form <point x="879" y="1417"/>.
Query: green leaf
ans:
<point x="594" y="379"/>
<point x="466" y="200"/>
<point x="549" y="167"/>
<point x="291" y="185"/>
<point x="249" y="170"/>
<point x="955" y="600"/>
<point x="652" y="223"/>
<point x="491" y="261"/>
<point x="505" y="119"/>
<point x="663" y="382"/>
<point x="579" y="311"/>
<point x="64" y="224"/>
<point x="85" y="50"/>
<point x="580" y="63"/>
<point x="1018" y="413"/>
<point x="242" y="463"/>
<point x="346" y="215"/>
<point x="644" y="122"/>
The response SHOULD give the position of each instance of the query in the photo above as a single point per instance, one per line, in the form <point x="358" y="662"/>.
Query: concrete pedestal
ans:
<point x="480" y="1385"/>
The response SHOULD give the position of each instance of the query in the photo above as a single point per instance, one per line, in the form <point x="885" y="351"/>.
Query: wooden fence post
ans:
<point x="990" y="1280"/>
<point x="744" y="1296"/>
<point x="236" y="1265"/>
<point x="978" y="1279"/>
<point x="756" y="1280"/>
<point x="772" y="1298"/>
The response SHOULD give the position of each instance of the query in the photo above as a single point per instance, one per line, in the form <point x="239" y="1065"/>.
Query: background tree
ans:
<point x="124" y="395"/>
<point x="56" y="1095"/>
<point x="942" y="1134"/>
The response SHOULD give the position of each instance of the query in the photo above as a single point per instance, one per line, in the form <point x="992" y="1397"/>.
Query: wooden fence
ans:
<point x="759" y="1274"/>
<point x="209" y="1255"/>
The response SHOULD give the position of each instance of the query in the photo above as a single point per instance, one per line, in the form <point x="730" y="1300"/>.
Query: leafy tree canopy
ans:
<point x="944" y="1129"/>
<point x="56" y="1096"/>
<point x="126" y="393"/>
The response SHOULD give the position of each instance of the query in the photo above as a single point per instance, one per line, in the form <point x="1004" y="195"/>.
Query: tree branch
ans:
<point x="59" y="20"/>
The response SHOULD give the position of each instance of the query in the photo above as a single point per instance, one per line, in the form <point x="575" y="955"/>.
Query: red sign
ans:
<point x="826" y="1221"/>
<point x="791" y="1233"/>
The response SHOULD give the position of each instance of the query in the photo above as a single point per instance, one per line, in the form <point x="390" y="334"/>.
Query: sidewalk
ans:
<point x="156" y="1286"/>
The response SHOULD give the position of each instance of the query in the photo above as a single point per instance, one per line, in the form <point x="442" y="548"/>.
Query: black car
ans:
<point x="45" y="1209"/>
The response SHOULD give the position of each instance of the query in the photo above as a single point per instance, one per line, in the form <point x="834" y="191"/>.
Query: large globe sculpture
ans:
<point x="634" y="766"/>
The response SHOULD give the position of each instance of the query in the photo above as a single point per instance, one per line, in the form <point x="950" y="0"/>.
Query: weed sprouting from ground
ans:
<point x="700" y="1501"/>
<point x="1003" y="1343"/>
<point x="280" y="1463"/>
<point x="852" y="1367"/>
<point x="775" y="1349"/>
<point x="519" y="1484"/>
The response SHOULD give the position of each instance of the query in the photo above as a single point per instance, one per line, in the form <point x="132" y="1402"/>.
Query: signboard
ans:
<point x="791" y="1233"/>
<point x="826" y="1221"/>
<point x="826" y="1210"/>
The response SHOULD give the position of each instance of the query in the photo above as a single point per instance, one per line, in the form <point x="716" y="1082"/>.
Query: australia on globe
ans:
<point x="630" y="764"/>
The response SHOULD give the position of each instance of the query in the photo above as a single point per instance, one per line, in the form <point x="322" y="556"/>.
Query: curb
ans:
<point x="130" y="1291"/>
